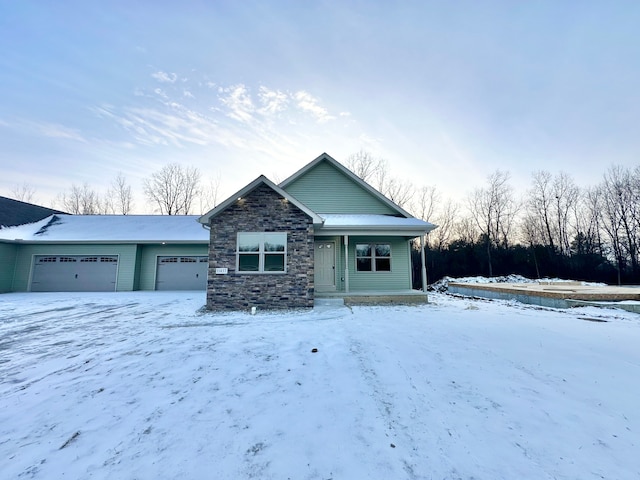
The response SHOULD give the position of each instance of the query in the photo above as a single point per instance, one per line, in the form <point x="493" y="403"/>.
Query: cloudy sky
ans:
<point x="446" y="92"/>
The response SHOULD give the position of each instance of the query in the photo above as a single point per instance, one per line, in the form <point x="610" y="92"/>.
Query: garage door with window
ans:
<point x="74" y="273"/>
<point x="182" y="273"/>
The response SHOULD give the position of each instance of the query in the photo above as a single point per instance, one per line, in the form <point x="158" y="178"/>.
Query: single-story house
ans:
<point x="104" y="253"/>
<point x="321" y="232"/>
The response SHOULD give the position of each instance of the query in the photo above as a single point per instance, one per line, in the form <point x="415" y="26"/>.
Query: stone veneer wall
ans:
<point x="263" y="210"/>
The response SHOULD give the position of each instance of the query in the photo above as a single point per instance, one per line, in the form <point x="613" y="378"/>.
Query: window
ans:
<point x="374" y="257"/>
<point x="262" y="252"/>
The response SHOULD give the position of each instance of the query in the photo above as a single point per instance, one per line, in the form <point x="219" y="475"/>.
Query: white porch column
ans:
<point x="423" y="263"/>
<point x="346" y="263"/>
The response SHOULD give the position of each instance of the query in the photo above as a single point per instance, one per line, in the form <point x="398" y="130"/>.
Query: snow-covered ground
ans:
<point x="144" y="385"/>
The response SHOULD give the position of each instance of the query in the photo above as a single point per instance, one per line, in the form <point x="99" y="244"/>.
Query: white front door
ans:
<point x="325" y="266"/>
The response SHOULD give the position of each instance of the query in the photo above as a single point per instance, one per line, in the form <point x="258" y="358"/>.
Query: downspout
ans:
<point x="346" y="263"/>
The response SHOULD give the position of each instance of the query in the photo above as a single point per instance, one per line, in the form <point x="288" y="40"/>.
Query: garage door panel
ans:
<point x="182" y="273"/>
<point x="74" y="273"/>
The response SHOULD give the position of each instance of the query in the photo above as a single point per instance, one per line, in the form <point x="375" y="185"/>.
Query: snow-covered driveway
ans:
<point x="144" y="385"/>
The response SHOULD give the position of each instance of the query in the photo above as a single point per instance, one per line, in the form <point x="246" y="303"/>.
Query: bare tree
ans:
<point x="426" y="203"/>
<point x="399" y="192"/>
<point x="364" y="165"/>
<point x="494" y="210"/>
<point x="538" y="207"/>
<point x="173" y="189"/>
<point x="375" y="171"/>
<point x="81" y="200"/>
<point x="119" y="199"/>
<point x="566" y="195"/>
<point x="619" y="197"/>
<point x="24" y="193"/>
<point x="209" y="196"/>
<point x="445" y="219"/>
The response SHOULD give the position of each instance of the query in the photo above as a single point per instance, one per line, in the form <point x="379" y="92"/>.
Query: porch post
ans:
<point x="424" y="265"/>
<point x="346" y="263"/>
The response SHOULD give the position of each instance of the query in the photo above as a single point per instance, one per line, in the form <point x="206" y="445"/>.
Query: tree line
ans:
<point x="172" y="190"/>
<point x="556" y="229"/>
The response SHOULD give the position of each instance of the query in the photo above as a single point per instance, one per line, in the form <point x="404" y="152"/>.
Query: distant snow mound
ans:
<point x="442" y="285"/>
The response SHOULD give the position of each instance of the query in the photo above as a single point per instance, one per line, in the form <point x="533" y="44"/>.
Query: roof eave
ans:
<point x="369" y="230"/>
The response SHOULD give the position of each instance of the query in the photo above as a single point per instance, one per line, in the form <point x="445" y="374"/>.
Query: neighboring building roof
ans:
<point x="109" y="229"/>
<point x="14" y="212"/>
<point x="345" y="171"/>
<point x="261" y="180"/>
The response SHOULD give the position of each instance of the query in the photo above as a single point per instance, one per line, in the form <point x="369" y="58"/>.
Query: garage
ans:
<point x="182" y="273"/>
<point x="74" y="273"/>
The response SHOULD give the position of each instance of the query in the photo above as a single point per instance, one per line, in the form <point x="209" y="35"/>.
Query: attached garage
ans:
<point x="75" y="253"/>
<point x="74" y="273"/>
<point x="182" y="273"/>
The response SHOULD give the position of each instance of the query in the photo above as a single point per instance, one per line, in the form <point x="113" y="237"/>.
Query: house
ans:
<point x="104" y="253"/>
<point x="321" y="232"/>
<point x="14" y="212"/>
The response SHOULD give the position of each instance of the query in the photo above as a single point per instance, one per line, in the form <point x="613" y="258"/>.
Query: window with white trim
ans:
<point x="373" y="257"/>
<point x="264" y="252"/>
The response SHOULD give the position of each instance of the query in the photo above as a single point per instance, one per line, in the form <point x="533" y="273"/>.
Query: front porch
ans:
<point x="375" y="297"/>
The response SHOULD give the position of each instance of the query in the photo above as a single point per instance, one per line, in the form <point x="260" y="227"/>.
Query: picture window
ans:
<point x="373" y="257"/>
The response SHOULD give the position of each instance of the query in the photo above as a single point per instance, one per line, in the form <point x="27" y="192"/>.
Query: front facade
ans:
<point x="321" y="232"/>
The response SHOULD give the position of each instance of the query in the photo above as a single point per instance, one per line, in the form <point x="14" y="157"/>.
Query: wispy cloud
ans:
<point x="307" y="103"/>
<point x="164" y="77"/>
<point x="54" y="130"/>
<point x="238" y="101"/>
<point x="46" y="129"/>
<point x="265" y="121"/>
<point x="272" y="101"/>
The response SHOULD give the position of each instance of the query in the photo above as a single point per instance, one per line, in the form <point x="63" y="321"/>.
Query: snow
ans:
<point x="110" y="228"/>
<point x="442" y="285"/>
<point x="373" y="221"/>
<point x="147" y="385"/>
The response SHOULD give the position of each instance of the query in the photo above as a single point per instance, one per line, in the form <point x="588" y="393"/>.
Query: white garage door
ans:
<point x="74" y="273"/>
<point x="182" y="273"/>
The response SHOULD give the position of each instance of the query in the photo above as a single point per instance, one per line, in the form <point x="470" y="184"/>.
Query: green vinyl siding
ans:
<point x="399" y="278"/>
<point x="8" y="253"/>
<point x="326" y="190"/>
<point x="149" y="259"/>
<point x="126" y="261"/>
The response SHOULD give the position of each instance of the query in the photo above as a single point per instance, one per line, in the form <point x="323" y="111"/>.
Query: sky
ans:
<point x="445" y="92"/>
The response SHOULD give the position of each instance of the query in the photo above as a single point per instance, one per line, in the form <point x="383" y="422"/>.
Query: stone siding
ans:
<point x="263" y="210"/>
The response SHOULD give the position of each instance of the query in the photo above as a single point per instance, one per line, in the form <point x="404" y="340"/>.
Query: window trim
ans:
<point x="373" y="257"/>
<point x="262" y="253"/>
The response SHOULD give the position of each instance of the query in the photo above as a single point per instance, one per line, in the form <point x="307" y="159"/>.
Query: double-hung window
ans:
<point x="264" y="252"/>
<point x="373" y="257"/>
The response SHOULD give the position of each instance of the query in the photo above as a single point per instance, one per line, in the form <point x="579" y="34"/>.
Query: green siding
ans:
<point x="149" y="259"/>
<point x="8" y="253"/>
<point x="324" y="189"/>
<point x="126" y="261"/>
<point x="399" y="278"/>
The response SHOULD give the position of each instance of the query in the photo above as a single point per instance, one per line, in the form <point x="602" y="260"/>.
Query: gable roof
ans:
<point x="14" y="212"/>
<point x="109" y="229"/>
<point x="348" y="173"/>
<point x="261" y="180"/>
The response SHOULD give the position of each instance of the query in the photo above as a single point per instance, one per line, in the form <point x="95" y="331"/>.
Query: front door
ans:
<point x="325" y="266"/>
